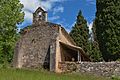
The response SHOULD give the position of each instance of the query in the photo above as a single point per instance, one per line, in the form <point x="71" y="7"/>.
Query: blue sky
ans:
<point x="62" y="12"/>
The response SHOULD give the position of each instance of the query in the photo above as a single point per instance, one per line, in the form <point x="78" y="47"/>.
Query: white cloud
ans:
<point x="54" y="18"/>
<point x="28" y="15"/>
<point x="58" y="9"/>
<point x="46" y="4"/>
<point x="90" y="31"/>
<point x="90" y="26"/>
<point x="56" y="0"/>
<point x="31" y="5"/>
<point x="93" y="2"/>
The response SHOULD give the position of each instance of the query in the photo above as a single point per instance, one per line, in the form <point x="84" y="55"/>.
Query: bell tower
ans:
<point x="40" y="15"/>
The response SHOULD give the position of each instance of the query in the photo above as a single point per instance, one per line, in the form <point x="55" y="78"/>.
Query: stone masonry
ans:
<point x="45" y="44"/>
<point x="36" y="47"/>
<point x="98" y="68"/>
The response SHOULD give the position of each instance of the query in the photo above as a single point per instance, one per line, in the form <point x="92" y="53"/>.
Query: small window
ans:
<point x="40" y="13"/>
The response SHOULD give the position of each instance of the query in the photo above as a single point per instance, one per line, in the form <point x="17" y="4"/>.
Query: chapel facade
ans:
<point x="45" y="45"/>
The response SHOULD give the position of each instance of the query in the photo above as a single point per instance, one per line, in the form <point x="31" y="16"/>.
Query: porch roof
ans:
<point x="76" y="48"/>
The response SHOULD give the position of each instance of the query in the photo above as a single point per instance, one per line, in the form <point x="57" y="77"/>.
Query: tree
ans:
<point x="80" y="32"/>
<point x="95" y="53"/>
<point x="10" y="15"/>
<point x="107" y="24"/>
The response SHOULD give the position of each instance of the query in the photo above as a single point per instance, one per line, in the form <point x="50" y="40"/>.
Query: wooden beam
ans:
<point x="79" y="56"/>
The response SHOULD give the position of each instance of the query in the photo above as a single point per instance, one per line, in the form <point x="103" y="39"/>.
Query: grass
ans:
<point x="17" y="74"/>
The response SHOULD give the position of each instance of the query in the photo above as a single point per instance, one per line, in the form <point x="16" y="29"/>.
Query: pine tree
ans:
<point x="10" y="15"/>
<point x="107" y="24"/>
<point x="80" y="32"/>
<point x="95" y="53"/>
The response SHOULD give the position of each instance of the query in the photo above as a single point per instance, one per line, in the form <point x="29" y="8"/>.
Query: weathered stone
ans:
<point x="46" y="44"/>
<point x="98" y="68"/>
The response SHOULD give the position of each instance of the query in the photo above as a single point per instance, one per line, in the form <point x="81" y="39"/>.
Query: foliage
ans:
<point x="16" y="74"/>
<point x="80" y="35"/>
<point x="10" y="15"/>
<point x="95" y="53"/>
<point x="115" y="77"/>
<point x="80" y="32"/>
<point x="107" y="24"/>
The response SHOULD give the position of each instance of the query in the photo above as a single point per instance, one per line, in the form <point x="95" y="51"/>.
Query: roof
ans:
<point x="40" y="8"/>
<point x="76" y="48"/>
<point x="43" y="8"/>
<point x="68" y="36"/>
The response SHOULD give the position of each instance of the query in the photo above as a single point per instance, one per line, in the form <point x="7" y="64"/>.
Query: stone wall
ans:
<point x="33" y="48"/>
<point x="98" y="68"/>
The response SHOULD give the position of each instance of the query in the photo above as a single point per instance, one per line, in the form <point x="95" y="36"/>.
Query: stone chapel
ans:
<point x="45" y="45"/>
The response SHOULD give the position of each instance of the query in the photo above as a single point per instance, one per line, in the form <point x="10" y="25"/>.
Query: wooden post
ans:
<point x="79" y="56"/>
<point x="52" y="57"/>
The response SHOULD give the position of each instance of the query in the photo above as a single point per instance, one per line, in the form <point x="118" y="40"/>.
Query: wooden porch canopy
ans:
<point x="81" y="53"/>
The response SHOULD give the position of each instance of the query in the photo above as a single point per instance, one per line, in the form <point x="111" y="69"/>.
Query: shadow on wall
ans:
<point x="46" y="64"/>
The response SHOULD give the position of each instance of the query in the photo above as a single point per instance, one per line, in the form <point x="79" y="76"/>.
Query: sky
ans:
<point x="62" y="12"/>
